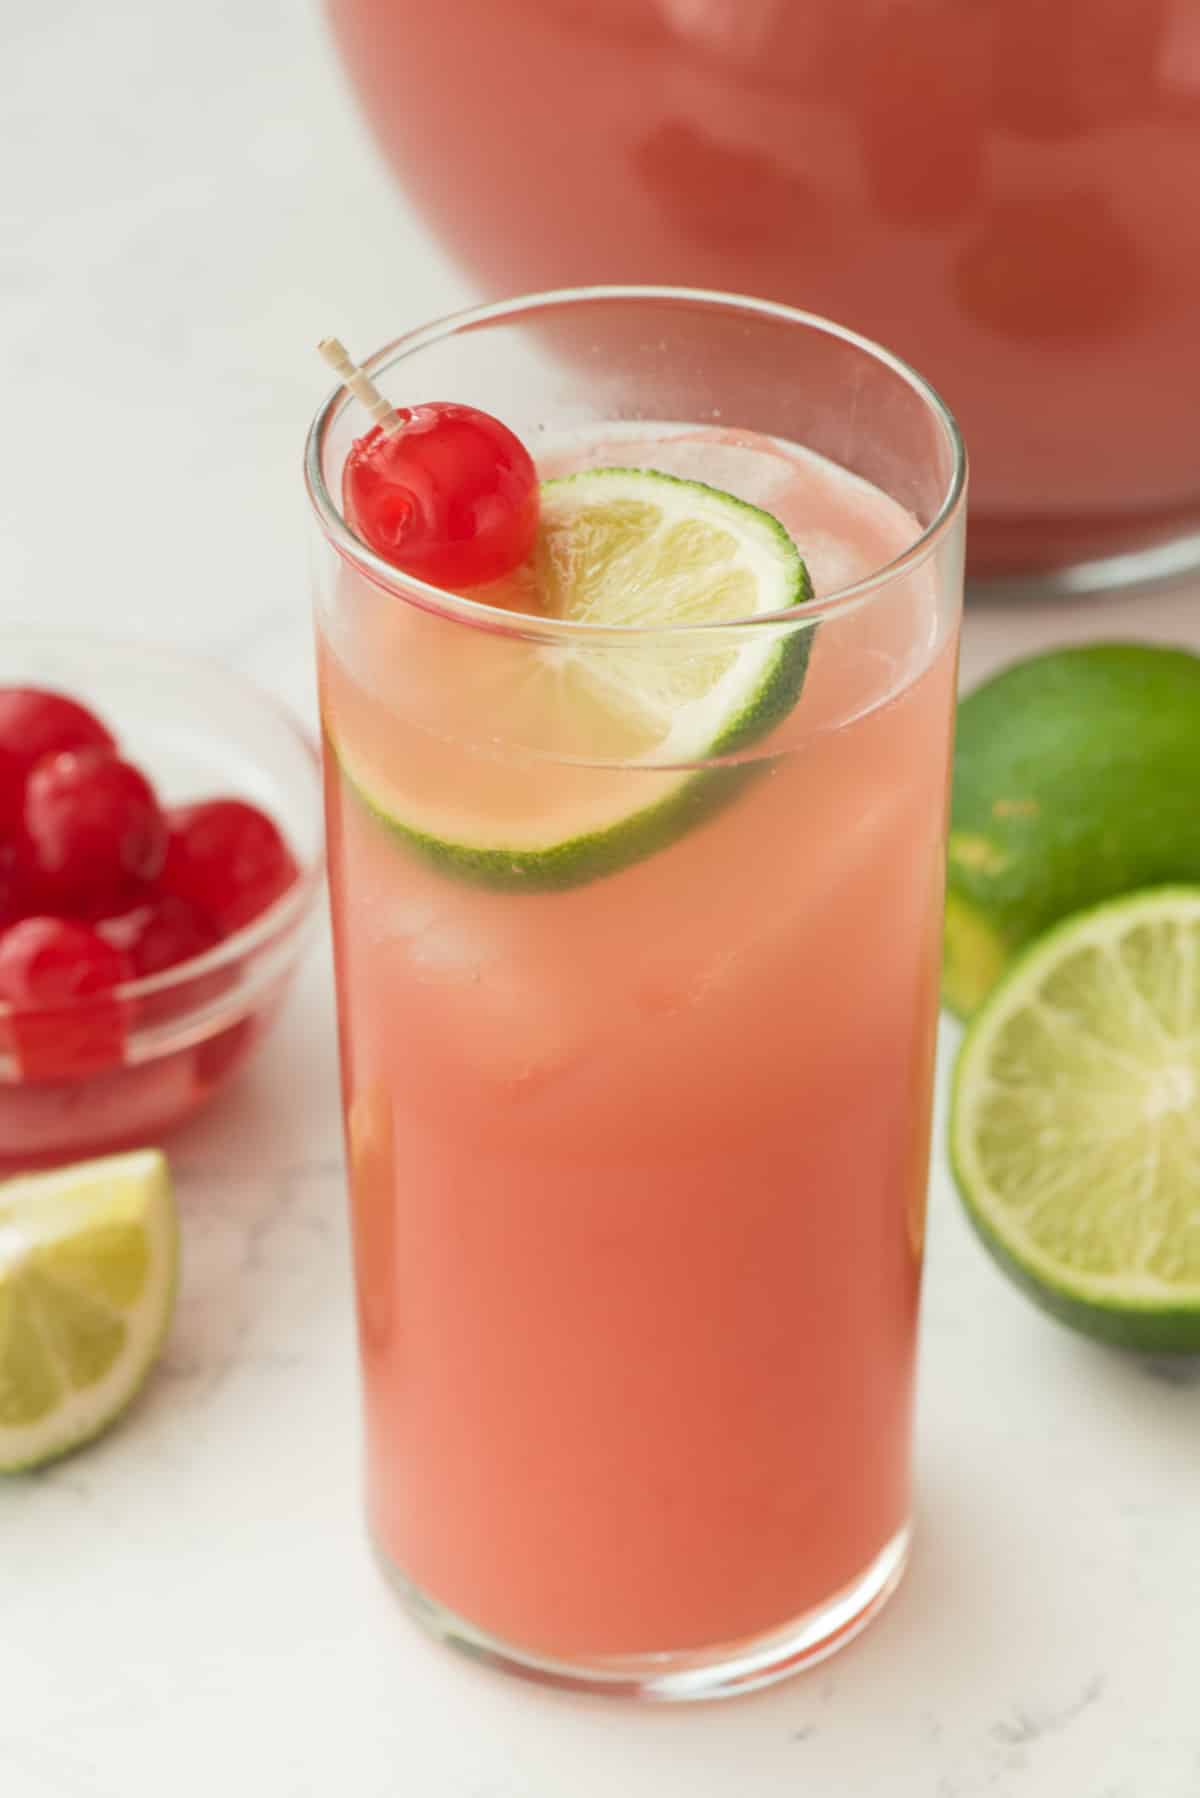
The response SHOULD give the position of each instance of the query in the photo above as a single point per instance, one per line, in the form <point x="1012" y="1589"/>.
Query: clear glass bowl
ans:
<point x="180" y="1036"/>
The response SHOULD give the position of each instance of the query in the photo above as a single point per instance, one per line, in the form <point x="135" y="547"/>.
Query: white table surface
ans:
<point x="189" y="1606"/>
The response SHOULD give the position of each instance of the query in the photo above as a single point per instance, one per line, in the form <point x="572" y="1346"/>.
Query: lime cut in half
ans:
<point x="88" y="1260"/>
<point x="1075" y="780"/>
<point x="1075" y="1121"/>
<point x="623" y="549"/>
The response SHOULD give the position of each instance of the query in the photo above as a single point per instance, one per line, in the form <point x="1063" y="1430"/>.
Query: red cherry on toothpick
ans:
<point x="442" y="491"/>
<point x="449" y="496"/>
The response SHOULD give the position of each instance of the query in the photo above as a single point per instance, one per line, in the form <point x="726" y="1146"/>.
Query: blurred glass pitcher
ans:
<point x="1005" y="192"/>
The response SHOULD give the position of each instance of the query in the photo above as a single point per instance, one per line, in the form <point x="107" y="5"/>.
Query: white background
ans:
<point x="189" y="1607"/>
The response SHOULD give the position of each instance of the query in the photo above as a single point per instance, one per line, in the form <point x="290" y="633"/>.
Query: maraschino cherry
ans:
<point x="35" y="722"/>
<point x="441" y="491"/>
<point x="227" y="860"/>
<point x="58" y="976"/>
<point x="94" y="826"/>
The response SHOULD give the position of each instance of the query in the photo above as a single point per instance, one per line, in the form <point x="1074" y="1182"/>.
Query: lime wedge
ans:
<point x="1075" y="1121"/>
<point x="620" y="548"/>
<point x="88" y="1262"/>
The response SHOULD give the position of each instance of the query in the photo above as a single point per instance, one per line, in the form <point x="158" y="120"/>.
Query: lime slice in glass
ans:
<point x="88" y="1259"/>
<point x="1075" y="1121"/>
<point x="622" y="548"/>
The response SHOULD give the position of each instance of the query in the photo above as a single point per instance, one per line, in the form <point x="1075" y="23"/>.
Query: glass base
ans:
<point x="1160" y="565"/>
<point x="719" y="1672"/>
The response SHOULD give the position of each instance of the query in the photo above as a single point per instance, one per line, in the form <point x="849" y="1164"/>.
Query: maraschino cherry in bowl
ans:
<point x="161" y="857"/>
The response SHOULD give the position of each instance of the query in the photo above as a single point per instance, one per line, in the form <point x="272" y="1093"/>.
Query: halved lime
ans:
<point x="88" y="1258"/>
<point x="1075" y="780"/>
<point x="621" y="547"/>
<point x="1075" y="1121"/>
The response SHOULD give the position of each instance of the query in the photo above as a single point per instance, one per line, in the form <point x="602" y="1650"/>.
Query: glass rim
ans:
<point x="529" y="626"/>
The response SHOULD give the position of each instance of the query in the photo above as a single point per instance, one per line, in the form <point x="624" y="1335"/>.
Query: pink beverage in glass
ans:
<point x="638" y="1162"/>
<point x="1003" y="190"/>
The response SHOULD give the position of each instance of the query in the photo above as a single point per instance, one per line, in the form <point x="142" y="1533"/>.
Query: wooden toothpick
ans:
<point x="360" y="384"/>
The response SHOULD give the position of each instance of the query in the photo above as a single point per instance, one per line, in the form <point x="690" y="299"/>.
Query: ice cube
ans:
<point x="832" y="562"/>
<point x="444" y="950"/>
<point x="511" y="1028"/>
<point x="755" y="475"/>
<point x="399" y="917"/>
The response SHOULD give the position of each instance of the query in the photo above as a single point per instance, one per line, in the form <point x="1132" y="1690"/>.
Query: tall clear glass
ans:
<point x="637" y="1054"/>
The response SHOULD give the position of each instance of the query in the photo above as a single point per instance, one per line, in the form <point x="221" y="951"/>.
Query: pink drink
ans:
<point x="638" y="1168"/>
<point x="1003" y="190"/>
<point x="637" y="1147"/>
